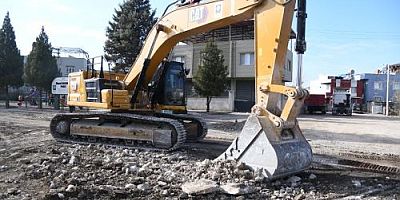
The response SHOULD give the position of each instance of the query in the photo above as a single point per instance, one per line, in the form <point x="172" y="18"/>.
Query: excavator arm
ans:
<point x="271" y="139"/>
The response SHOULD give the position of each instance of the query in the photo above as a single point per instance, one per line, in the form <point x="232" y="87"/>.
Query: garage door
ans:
<point x="245" y="95"/>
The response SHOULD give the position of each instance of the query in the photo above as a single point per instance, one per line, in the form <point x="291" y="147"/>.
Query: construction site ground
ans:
<point x="355" y="157"/>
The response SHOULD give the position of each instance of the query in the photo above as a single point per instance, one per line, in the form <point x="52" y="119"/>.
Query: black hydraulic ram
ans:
<point x="301" y="45"/>
<point x="301" y="27"/>
<point x="140" y="82"/>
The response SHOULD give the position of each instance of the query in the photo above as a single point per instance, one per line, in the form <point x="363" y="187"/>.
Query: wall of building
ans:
<point x="240" y="70"/>
<point x="184" y="53"/>
<point x="217" y="104"/>
<point x="198" y="48"/>
<point x="378" y="94"/>
<point x="241" y="75"/>
<point x="232" y="51"/>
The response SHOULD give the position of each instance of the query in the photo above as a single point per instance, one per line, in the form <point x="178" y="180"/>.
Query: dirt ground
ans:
<point x="34" y="166"/>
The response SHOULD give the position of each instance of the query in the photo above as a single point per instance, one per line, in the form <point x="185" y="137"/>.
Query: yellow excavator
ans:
<point x="147" y="106"/>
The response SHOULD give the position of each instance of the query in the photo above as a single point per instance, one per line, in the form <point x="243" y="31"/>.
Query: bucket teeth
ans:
<point x="261" y="146"/>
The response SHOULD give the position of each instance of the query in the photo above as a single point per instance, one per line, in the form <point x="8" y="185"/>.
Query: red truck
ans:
<point x="315" y="103"/>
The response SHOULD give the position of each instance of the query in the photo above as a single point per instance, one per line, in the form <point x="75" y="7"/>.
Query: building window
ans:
<point x="179" y="59"/>
<point x="378" y="85"/>
<point x="247" y="59"/>
<point x="396" y="86"/>
<point x="353" y="91"/>
<point x="70" y="69"/>
<point x="353" y="83"/>
<point x="377" y="99"/>
<point x="338" y="81"/>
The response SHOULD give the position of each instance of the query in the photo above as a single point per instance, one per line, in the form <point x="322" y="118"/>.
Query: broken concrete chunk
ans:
<point x="72" y="160"/>
<point x="312" y="176"/>
<point x="161" y="183"/>
<point x="24" y="161"/>
<point x="300" y="197"/>
<point x="294" y="179"/>
<point x="237" y="189"/>
<point x="60" y="195"/>
<point x="130" y="186"/>
<point x="71" y="188"/>
<point x="201" y="186"/>
<point x="241" y="166"/>
<point x="144" y="187"/>
<point x="356" y="183"/>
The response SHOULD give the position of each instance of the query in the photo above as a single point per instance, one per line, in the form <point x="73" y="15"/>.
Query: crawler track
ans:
<point x="179" y="132"/>
<point x="202" y="129"/>
<point x="192" y="136"/>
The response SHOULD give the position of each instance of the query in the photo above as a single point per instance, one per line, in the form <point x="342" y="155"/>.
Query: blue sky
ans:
<point x="341" y="34"/>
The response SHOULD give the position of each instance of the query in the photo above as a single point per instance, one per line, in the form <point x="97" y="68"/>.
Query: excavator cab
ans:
<point x="167" y="87"/>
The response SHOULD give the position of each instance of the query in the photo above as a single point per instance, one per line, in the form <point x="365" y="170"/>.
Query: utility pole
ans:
<point x="387" y="89"/>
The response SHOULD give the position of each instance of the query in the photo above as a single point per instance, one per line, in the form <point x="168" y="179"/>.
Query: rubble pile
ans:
<point x="95" y="171"/>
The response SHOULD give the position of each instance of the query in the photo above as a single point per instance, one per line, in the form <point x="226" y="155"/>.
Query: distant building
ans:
<point x="237" y="44"/>
<point x="68" y="65"/>
<point x="320" y="86"/>
<point x="376" y="86"/>
<point x="376" y="89"/>
<point x="368" y="90"/>
<point x="351" y="84"/>
<point x="65" y="66"/>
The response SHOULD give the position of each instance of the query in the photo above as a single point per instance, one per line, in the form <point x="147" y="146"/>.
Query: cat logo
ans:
<point x="218" y="10"/>
<point x="198" y="15"/>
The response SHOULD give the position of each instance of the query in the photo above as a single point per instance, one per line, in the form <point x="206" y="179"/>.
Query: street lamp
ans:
<point x="387" y="89"/>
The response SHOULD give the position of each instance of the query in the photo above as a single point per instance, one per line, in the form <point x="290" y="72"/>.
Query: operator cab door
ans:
<point x="168" y="85"/>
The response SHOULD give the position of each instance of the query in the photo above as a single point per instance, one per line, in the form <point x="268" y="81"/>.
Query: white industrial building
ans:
<point x="70" y="64"/>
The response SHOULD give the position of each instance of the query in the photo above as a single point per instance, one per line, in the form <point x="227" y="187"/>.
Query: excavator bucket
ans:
<point x="276" y="152"/>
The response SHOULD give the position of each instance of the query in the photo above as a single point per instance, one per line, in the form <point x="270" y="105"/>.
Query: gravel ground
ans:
<point x="33" y="166"/>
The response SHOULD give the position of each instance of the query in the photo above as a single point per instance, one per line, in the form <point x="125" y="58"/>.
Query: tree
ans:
<point x="127" y="32"/>
<point x="41" y="67"/>
<point x="11" y="62"/>
<point x="211" y="77"/>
